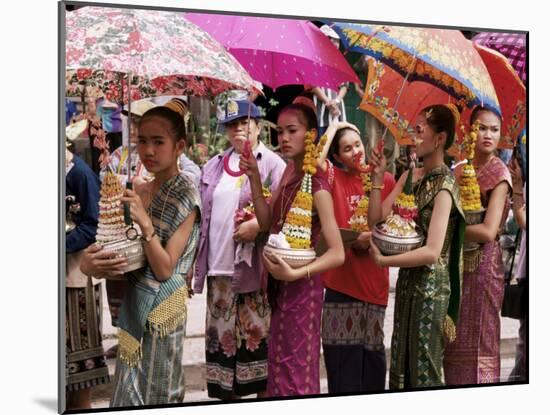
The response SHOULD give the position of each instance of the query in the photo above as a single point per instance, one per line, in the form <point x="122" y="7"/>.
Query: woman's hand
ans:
<point x="189" y="281"/>
<point x="362" y="243"/>
<point x="96" y="262"/>
<point x="249" y="165"/>
<point x="517" y="179"/>
<point x="379" y="163"/>
<point x="278" y="268"/>
<point x="137" y="211"/>
<point x="344" y="124"/>
<point x="246" y="231"/>
<point x="334" y="108"/>
<point x="376" y="255"/>
<point x="337" y="125"/>
<point x="138" y="181"/>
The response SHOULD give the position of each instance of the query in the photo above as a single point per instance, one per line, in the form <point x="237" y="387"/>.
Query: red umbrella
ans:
<point x="381" y="94"/>
<point x="510" y="92"/>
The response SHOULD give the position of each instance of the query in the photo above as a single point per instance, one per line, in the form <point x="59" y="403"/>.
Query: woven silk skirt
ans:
<point x="86" y="365"/>
<point x="353" y="344"/>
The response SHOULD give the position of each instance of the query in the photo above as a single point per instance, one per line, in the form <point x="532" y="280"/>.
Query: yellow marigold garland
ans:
<point x="297" y="225"/>
<point x="359" y="220"/>
<point x="405" y="201"/>
<point x="470" y="195"/>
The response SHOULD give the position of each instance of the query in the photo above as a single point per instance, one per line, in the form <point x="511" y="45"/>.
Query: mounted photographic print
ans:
<point x="271" y="207"/>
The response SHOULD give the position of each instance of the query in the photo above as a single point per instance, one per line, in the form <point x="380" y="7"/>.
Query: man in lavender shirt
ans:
<point x="229" y="260"/>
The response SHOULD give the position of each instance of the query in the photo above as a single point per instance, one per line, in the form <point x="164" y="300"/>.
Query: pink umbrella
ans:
<point x="277" y="51"/>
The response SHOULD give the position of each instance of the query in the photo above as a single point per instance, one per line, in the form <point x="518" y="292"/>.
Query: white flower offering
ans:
<point x="278" y="240"/>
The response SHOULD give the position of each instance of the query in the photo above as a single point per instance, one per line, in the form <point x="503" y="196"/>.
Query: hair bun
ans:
<point x="177" y="105"/>
<point x="305" y="101"/>
<point x="456" y="112"/>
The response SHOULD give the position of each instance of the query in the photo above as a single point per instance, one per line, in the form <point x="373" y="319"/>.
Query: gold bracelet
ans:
<point x="518" y="193"/>
<point x="375" y="187"/>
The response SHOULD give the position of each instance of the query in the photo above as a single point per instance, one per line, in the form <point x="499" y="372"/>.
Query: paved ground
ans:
<point x="194" y="348"/>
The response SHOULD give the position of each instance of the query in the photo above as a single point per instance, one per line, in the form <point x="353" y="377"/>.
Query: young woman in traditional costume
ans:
<point x="153" y="315"/>
<point x="296" y="294"/>
<point x="428" y="287"/>
<point x="356" y="293"/>
<point x="475" y="355"/>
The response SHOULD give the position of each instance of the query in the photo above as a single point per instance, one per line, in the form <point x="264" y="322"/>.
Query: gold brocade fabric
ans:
<point x="472" y="260"/>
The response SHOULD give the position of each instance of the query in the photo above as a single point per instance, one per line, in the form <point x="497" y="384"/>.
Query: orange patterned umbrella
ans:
<point x="382" y="90"/>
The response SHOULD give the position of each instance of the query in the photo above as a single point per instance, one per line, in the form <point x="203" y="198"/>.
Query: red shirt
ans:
<point x="359" y="277"/>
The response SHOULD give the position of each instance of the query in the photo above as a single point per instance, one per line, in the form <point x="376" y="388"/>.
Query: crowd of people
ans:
<point x="266" y="322"/>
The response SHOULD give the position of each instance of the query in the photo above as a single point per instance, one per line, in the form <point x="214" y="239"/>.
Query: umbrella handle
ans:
<point x="127" y="216"/>
<point x="411" y="67"/>
<point x="131" y="233"/>
<point x="246" y="151"/>
<point x="227" y="167"/>
<point x="129" y="122"/>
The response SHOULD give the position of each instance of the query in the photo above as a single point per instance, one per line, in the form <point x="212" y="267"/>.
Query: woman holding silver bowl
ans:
<point x="428" y="288"/>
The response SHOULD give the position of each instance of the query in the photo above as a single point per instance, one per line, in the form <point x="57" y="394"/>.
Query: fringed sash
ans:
<point x="162" y="320"/>
<point x="149" y="303"/>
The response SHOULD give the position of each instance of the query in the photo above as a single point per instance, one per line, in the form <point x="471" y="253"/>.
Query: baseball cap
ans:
<point x="234" y="110"/>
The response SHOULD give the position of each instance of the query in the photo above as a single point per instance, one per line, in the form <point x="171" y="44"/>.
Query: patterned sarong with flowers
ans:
<point x="236" y="340"/>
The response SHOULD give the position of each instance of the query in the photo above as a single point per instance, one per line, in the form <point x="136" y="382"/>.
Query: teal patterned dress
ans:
<point x="153" y="315"/>
<point x="428" y="297"/>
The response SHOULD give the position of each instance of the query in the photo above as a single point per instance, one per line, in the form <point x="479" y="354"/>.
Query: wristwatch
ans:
<point x="148" y="238"/>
